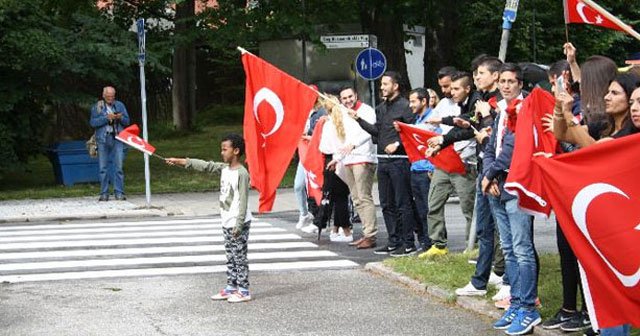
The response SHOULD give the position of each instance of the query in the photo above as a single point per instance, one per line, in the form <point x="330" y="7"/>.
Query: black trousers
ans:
<point x="335" y="198"/>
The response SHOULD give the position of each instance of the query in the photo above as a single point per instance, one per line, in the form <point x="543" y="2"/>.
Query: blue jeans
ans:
<point x="621" y="330"/>
<point x="110" y="157"/>
<point x="300" y="190"/>
<point x="516" y="237"/>
<point x="396" y="201"/>
<point x="420" y="182"/>
<point x="485" y="229"/>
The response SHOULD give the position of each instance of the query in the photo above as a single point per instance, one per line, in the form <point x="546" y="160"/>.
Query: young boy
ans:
<point x="236" y="217"/>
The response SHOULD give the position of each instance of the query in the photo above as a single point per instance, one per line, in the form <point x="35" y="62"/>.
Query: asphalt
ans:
<point x="206" y="204"/>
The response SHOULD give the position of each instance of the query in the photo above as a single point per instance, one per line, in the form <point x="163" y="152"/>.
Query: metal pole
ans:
<point x="504" y="43"/>
<point x="145" y="136"/>
<point x="508" y="18"/>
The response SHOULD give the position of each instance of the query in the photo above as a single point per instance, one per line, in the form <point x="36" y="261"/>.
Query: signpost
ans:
<point x="508" y="18"/>
<point x="347" y="41"/>
<point x="143" y="99"/>
<point x="370" y="65"/>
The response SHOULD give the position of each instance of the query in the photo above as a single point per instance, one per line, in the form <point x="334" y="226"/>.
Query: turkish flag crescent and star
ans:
<point x="414" y="140"/>
<point x="130" y="136"/>
<point x="275" y="112"/>
<point x="576" y="11"/>
<point x="313" y="163"/>
<point x="595" y="194"/>
<point x="530" y="138"/>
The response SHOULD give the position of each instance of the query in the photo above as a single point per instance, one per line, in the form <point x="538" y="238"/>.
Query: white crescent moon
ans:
<point x="272" y="99"/>
<point x="579" y="209"/>
<point x="133" y="141"/>
<point x="580" y="8"/>
<point x="418" y="138"/>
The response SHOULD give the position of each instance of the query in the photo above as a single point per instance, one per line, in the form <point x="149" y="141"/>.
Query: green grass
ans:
<point x="453" y="271"/>
<point x="212" y="124"/>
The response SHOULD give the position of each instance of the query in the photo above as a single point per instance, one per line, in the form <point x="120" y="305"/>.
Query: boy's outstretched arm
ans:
<point x="176" y="161"/>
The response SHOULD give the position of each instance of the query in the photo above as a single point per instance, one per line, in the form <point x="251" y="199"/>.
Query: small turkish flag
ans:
<point x="275" y="111"/>
<point x="414" y="140"/>
<point x="313" y="163"/>
<point x="530" y="138"/>
<point x="576" y="11"/>
<point x="130" y="136"/>
<point x="595" y="194"/>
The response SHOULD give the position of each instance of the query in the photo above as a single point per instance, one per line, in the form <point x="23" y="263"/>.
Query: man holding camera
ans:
<point x="109" y="116"/>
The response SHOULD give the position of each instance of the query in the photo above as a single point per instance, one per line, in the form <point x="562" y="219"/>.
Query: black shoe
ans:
<point x="385" y="250"/>
<point x="121" y="197"/>
<point x="403" y="252"/>
<point x="578" y="322"/>
<point x="103" y="198"/>
<point x="560" y="318"/>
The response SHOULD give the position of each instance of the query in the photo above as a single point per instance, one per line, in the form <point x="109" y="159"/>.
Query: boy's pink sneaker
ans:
<point x="224" y="294"/>
<point x="239" y="296"/>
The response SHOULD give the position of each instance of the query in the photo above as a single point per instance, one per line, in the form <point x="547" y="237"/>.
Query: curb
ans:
<point x="470" y="303"/>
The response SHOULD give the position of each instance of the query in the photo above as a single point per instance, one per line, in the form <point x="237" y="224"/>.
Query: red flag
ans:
<point x="577" y="11"/>
<point x="530" y="138"/>
<point x="595" y="193"/>
<point x="313" y="163"/>
<point x="275" y="112"/>
<point x="414" y="140"/>
<point x="130" y="136"/>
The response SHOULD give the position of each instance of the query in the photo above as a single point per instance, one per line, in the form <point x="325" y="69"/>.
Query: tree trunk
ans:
<point x="440" y="38"/>
<point x="388" y="27"/>
<point x="183" y="90"/>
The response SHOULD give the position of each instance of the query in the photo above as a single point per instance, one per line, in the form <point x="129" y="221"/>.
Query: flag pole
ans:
<point x="615" y="20"/>
<point x="566" y="32"/>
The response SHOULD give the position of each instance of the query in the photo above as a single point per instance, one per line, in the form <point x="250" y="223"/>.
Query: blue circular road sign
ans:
<point x="371" y="64"/>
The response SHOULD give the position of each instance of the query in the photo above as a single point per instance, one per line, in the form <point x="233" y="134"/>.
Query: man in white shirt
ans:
<point x="360" y="170"/>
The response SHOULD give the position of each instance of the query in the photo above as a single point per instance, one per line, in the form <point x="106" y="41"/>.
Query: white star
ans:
<point x="599" y="19"/>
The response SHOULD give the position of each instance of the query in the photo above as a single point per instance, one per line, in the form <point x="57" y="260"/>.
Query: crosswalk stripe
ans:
<point x="174" y="233"/>
<point x="340" y="263"/>
<point x="107" y="224"/>
<point x="141" y="241"/>
<point x="122" y="229"/>
<point x="149" y="250"/>
<point x="160" y="260"/>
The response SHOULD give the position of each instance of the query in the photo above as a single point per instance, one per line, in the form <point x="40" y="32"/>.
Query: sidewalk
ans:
<point x="173" y="204"/>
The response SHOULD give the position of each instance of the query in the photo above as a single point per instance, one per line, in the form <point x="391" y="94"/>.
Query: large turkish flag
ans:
<point x="414" y="140"/>
<point x="595" y="193"/>
<point x="576" y="11"/>
<point x="275" y="112"/>
<point x="530" y="138"/>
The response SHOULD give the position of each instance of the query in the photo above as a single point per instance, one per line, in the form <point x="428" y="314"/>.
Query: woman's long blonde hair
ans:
<point x="332" y="105"/>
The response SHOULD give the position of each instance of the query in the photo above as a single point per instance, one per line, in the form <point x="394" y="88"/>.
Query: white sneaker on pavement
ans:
<point x="503" y="293"/>
<point x="495" y="280"/>
<point x="469" y="290"/>
<point x="302" y="220"/>
<point x="310" y="228"/>
<point x="341" y="238"/>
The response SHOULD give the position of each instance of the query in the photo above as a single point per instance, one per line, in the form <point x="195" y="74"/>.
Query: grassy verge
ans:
<point x="453" y="271"/>
<point x="38" y="180"/>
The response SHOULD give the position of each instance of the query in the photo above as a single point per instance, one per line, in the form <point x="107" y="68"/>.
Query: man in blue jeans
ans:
<point x="515" y="226"/>
<point x="109" y="116"/>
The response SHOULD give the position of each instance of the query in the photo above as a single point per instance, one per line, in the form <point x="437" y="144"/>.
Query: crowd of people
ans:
<point x="477" y="116"/>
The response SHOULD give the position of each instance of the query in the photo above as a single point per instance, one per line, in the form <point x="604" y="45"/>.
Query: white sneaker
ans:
<point x="341" y="238"/>
<point x="495" y="280"/>
<point x="310" y="228"/>
<point x="302" y="220"/>
<point x="334" y="236"/>
<point x="469" y="290"/>
<point x="503" y="293"/>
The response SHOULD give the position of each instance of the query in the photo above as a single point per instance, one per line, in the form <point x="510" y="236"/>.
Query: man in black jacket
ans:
<point x="394" y="183"/>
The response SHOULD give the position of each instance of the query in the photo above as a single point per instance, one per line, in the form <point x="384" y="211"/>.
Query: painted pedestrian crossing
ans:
<point x="30" y="253"/>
